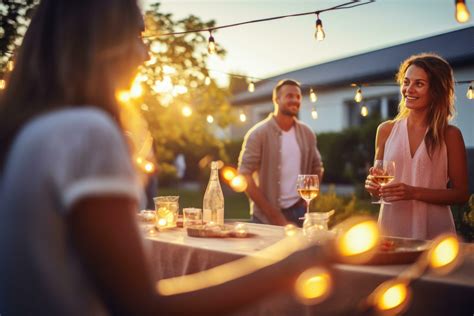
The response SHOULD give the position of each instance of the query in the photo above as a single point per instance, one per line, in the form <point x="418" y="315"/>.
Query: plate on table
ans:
<point x="216" y="231"/>
<point x="396" y="250"/>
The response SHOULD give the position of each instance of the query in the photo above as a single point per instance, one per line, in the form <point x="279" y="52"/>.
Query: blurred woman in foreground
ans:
<point x="69" y="244"/>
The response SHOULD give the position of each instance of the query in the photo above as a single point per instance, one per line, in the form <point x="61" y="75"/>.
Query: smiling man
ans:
<point x="274" y="152"/>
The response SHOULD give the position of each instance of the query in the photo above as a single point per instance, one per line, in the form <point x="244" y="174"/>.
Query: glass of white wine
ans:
<point x="308" y="188"/>
<point x="383" y="173"/>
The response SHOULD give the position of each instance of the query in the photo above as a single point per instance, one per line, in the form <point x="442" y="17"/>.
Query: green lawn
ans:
<point x="236" y="204"/>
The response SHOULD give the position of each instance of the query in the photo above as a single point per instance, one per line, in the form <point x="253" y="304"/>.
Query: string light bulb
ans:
<point x="251" y="86"/>
<point x="3" y="84"/>
<point x="364" y="111"/>
<point x="319" y="35"/>
<point x="242" y="117"/>
<point x="312" y="95"/>
<point x="10" y="65"/>
<point x="210" y="119"/>
<point x="358" y="95"/>
<point x="314" y="114"/>
<point x="462" y="13"/>
<point x="470" y="92"/>
<point x="211" y="47"/>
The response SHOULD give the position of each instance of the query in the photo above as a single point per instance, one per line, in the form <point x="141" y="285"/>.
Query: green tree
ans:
<point x="175" y="77"/>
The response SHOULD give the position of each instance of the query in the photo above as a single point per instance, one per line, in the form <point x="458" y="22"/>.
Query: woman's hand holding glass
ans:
<point x="381" y="174"/>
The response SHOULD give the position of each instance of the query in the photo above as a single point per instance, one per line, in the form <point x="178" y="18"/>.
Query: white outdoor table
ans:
<point x="173" y="253"/>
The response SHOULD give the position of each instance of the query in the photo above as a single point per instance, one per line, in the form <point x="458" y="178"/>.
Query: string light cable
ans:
<point x="347" y="5"/>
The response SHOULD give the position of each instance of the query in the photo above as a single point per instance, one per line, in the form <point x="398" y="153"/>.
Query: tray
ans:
<point x="224" y="231"/>
<point x="395" y="250"/>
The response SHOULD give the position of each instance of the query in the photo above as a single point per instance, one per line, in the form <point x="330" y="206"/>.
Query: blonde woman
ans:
<point x="69" y="244"/>
<point x="429" y="154"/>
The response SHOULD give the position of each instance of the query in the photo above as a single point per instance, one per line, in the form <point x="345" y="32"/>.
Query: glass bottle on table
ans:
<point x="213" y="202"/>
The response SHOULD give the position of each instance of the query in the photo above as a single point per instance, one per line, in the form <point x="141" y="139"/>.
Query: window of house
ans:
<point x="379" y="108"/>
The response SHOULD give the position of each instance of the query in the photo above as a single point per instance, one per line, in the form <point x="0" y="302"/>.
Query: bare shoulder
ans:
<point x="385" y="128"/>
<point x="453" y="135"/>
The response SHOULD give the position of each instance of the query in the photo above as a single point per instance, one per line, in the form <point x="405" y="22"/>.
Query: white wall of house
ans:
<point x="464" y="118"/>
<point x="333" y="111"/>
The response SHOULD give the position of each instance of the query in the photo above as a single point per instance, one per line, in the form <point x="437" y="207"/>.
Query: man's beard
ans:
<point x="287" y="112"/>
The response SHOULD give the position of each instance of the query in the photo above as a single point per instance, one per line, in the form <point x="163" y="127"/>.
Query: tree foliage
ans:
<point x="176" y="76"/>
<point x="14" y="19"/>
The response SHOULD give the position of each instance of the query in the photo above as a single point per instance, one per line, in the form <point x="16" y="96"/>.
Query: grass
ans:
<point x="236" y="205"/>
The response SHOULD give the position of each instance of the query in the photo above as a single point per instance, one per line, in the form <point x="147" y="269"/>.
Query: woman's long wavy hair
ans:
<point x="75" y="53"/>
<point x="441" y="89"/>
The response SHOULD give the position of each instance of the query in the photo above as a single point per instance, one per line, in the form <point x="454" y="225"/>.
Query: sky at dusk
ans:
<point x="270" y="48"/>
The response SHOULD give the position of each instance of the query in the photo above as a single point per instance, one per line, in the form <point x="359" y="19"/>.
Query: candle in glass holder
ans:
<point x="166" y="211"/>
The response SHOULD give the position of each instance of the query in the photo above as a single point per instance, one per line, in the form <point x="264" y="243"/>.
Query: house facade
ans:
<point x="335" y="106"/>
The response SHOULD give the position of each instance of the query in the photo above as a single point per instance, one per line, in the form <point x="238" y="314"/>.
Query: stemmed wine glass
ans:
<point x="383" y="173"/>
<point x="308" y="188"/>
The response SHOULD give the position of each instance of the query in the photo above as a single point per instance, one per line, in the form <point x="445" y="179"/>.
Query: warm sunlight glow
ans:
<point x="313" y="286"/>
<point x="180" y="89"/>
<point x="137" y="90"/>
<point x="228" y="173"/>
<point x="238" y="183"/>
<point x="163" y="86"/>
<point x="149" y="167"/>
<point x="210" y="119"/>
<point x="444" y="252"/>
<point x="187" y="111"/>
<point x="290" y="230"/>
<point x="123" y="96"/>
<point x="168" y="70"/>
<point x="358" y="239"/>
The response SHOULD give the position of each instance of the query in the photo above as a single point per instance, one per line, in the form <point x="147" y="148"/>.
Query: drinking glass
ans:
<point x="383" y="173"/>
<point x="308" y="188"/>
<point x="192" y="216"/>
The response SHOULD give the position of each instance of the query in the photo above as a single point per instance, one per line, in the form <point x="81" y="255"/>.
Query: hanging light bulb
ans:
<point x="470" y="92"/>
<point x="211" y="47"/>
<point x="3" y="84"/>
<point x="210" y="119"/>
<point x="251" y="86"/>
<point x="242" y="117"/>
<point x="314" y="114"/>
<point x="358" y="95"/>
<point x="312" y="95"/>
<point x="364" y="111"/>
<point x="462" y="13"/>
<point x="319" y="35"/>
<point x="10" y="65"/>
